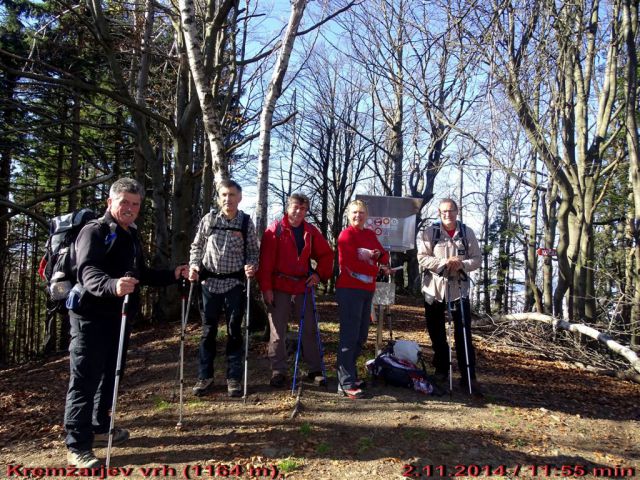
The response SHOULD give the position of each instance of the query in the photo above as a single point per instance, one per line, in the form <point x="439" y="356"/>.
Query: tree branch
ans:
<point x="253" y="136"/>
<point x="300" y="33"/>
<point x="25" y="207"/>
<point x="86" y="87"/>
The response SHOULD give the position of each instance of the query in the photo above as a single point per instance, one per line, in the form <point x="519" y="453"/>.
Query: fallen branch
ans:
<point x="603" y="338"/>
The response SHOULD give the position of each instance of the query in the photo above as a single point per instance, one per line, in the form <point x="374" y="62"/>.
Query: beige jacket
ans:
<point x="434" y="278"/>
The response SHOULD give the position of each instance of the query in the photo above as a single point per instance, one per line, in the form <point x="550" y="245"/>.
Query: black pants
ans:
<point x="435" y="316"/>
<point x="93" y="354"/>
<point x="233" y="304"/>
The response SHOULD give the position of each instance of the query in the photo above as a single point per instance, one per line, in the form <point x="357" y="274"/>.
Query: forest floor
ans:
<point x="538" y="419"/>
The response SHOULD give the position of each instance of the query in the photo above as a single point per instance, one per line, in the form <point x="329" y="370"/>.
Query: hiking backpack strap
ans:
<point x="463" y="237"/>
<point x="435" y="234"/>
<point x="109" y="231"/>
<point x="278" y="234"/>
<point x="244" y="229"/>
<point x="110" y="238"/>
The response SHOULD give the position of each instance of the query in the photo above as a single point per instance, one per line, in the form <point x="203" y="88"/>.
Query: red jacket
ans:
<point x="281" y="268"/>
<point x="349" y="241"/>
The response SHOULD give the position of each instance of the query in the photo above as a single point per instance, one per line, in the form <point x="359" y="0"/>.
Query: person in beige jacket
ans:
<point x="447" y="252"/>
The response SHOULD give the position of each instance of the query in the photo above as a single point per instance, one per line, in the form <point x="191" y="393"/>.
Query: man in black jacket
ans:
<point x="110" y="265"/>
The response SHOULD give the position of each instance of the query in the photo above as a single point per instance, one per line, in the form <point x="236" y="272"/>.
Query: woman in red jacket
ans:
<point x="360" y="256"/>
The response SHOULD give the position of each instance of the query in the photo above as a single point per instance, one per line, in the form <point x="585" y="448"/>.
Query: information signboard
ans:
<point x="393" y="219"/>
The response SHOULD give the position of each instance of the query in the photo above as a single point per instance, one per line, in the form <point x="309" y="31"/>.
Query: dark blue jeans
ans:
<point x="93" y="354"/>
<point x="435" y="315"/>
<point x="354" y="310"/>
<point x="233" y="304"/>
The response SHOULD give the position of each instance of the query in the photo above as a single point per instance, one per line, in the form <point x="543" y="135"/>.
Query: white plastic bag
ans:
<point x="406" y="350"/>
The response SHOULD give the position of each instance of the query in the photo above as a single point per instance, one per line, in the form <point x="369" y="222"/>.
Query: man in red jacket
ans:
<point x="285" y="272"/>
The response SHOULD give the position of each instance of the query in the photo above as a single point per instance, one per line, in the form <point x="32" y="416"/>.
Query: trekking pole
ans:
<point x="123" y="327"/>
<point x="183" y="327"/>
<point x="387" y="308"/>
<point x="320" y="345"/>
<point x="449" y="339"/>
<point x="246" y="340"/>
<point x="183" y="290"/>
<point x="464" y="335"/>
<point x="300" y="328"/>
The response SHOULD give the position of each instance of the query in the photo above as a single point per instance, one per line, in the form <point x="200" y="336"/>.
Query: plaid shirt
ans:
<point x="221" y="251"/>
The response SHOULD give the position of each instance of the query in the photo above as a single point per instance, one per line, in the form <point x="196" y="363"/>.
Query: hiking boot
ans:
<point x="317" y="378"/>
<point x="278" y="380"/>
<point x="360" y="384"/>
<point x="234" y="387"/>
<point x="353" y="393"/>
<point x="476" y="388"/>
<point x="84" y="459"/>
<point x="120" y="435"/>
<point x="203" y="386"/>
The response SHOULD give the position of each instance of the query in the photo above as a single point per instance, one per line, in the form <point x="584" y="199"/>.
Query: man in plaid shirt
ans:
<point x="222" y="258"/>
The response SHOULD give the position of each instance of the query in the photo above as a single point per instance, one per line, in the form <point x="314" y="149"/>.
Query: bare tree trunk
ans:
<point x="565" y="269"/>
<point x="203" y="87"/>
<point x="630" y="32"/>
<point x="274" y="90"/>
<point x="533" y="292"/>
<point x="206" y="183"/>
<point x="549" y="227"/>
<point x="34" y="340"/>
<point x="153" y="161"/>
<point x="6" y="152"/>
<point x="397" y="143"/>
<point x="187" y="123"/>
<point x="461" y="188"/>
<point x="628" y="289"/>
<point x="504" y="253"/>
<point x="486" y="281"/>
<point x="74" y="158"/>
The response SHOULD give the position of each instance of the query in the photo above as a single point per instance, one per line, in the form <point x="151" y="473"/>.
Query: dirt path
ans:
<point x="538" y="419"/>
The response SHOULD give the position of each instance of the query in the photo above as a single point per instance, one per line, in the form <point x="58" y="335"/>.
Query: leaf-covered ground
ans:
<point x="538" y="419"/>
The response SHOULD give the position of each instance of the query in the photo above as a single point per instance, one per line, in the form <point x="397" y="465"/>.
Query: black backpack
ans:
<point x="58" y="265"/>
<point x="402" y="373"/>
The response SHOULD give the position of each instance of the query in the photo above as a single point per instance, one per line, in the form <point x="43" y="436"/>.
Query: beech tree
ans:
<point x="575" y="153"/>
<point x="629" y="31"/>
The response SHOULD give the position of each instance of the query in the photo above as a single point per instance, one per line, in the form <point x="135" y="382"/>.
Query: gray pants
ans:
<point x="278" y="319"/>
<point x="354" y="309"/>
